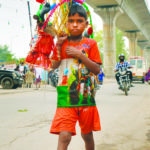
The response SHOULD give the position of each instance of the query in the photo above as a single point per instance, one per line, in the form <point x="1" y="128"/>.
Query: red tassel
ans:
<point x="90" y="31"/>
<point x="40" y="1"/>
<point x="55" y="54"/>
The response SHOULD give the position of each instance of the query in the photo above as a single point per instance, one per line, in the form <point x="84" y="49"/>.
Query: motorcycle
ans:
<point x="125" y="82"/>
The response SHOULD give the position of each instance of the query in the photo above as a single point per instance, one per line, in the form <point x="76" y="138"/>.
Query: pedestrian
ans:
<point x="147" y="76"/>
<point x="38" y="74"/>
<point x="25" y="69"/>
<point x="100" y="77"/>
<point x="29" y="76"/>
<point x="79" y="61"/>
<point x="17" y="68"/>
<point x="38" y="82"/>
<point x="22" y="68"/>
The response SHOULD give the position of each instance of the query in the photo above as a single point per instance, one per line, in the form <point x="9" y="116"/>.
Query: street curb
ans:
<point x="24" y="90"/>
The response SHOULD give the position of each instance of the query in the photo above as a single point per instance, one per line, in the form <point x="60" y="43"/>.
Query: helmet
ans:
<point x="122" y="55"/>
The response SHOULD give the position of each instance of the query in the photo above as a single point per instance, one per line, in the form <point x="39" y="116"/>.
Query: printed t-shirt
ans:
<point x="76" y="85"/>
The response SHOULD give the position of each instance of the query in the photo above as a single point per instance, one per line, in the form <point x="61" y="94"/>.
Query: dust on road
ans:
<point x="125" y="120"/>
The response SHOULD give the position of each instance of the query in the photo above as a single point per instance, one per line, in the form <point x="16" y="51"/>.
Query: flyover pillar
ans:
<point x="142" y="44"/>
<point x="109" y="15"/>
<point x="132" y="36"/>
<point x="141" y="52"/>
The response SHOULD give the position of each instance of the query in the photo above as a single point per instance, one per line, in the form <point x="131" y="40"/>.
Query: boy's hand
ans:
<point x="74" y="52"/>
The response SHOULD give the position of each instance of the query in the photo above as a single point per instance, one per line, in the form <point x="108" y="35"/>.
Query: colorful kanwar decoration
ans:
<point x="49" y="26"/>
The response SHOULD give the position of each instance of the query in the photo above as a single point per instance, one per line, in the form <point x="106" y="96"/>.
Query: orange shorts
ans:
<point x="65" y="119"/>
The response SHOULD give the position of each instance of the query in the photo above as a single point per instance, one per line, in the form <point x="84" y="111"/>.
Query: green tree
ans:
<point x="98" y="37"/>
<point x="120" y="45"/>
<point x="5" y="54"/>
<point x="21" y="60"/>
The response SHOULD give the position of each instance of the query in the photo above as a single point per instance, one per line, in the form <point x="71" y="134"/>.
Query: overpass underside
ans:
<point x="130" y="16"/>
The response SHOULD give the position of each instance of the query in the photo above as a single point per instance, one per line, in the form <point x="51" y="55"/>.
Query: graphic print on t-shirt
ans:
<point x="76" y="82"/>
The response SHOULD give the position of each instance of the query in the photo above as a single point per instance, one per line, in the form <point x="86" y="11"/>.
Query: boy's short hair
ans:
<point x="77" y="8"/>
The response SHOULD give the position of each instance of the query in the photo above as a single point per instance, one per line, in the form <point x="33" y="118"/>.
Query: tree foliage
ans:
<point x="98" y="37"/>
<point x="20" y="60"/>
<point x="5" y="54"/>
<point x="120" y="45"/>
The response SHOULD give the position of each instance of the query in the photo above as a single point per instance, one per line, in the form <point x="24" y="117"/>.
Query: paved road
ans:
<point x="26" y="116"/>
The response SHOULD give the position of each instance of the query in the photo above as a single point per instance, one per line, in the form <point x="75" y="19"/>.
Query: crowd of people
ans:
<point x="30" y="74"/>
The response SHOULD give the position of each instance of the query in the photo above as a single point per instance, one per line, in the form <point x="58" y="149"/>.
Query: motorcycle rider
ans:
<point x="120" y="65"/>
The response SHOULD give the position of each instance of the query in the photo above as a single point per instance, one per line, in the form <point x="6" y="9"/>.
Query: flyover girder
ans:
<point x="135" y="13"/>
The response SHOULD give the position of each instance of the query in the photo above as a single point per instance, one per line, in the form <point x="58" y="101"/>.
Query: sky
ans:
<point x="148" y="4"/>
<point x="15" y="27"/>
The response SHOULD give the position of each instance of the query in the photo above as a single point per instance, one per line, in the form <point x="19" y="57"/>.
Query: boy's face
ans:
<point x="76" y="24"/>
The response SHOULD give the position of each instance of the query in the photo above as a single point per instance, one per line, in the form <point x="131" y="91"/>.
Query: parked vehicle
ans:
<point x="125" y="82"/>
<point x="139" y="68"/>
<point x="10" y="79"/>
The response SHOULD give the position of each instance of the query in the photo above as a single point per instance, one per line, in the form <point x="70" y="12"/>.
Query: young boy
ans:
<point x="79" y="61"/>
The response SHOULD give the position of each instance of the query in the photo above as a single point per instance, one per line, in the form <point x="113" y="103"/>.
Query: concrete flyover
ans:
<point x="130" y="16"/>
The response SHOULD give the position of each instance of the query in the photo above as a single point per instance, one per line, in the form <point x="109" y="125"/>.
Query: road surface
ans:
<point x="26" y="116"/>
